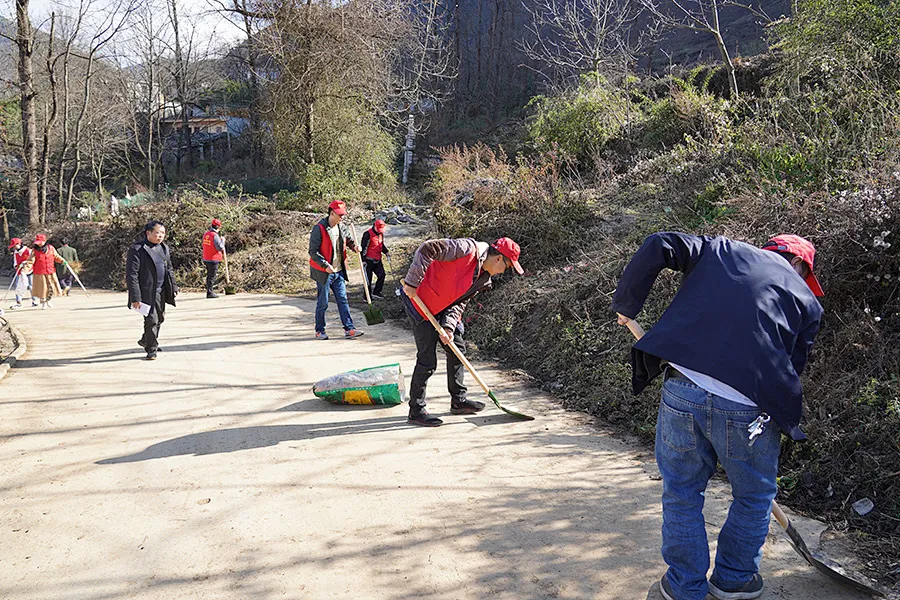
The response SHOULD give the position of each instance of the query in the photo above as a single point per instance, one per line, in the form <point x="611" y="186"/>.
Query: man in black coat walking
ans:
<point x="148" y="274"/>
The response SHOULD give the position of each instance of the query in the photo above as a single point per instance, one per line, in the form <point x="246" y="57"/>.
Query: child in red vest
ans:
<point x="21" y="278"/>
<point x="445" y="275"/>
<point x="373" y="247"/>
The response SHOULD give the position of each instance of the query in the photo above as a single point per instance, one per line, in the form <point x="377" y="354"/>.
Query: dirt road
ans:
<point x="214" y="472"/>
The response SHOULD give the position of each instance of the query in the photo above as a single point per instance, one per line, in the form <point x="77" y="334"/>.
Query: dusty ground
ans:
<point x="214" y="472"/>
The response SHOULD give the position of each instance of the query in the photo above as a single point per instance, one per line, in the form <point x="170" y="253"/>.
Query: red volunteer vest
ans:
<point x="446" y="282"/>
<point x="209" y="247"/>
<point x="376" y="244"/>
<point x="22" y="255"/>
<point x="326" y="249"/>
<point x="44" y="263"/>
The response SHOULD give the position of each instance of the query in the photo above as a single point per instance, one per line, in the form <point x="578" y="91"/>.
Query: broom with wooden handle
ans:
<point x="466" y="363"/>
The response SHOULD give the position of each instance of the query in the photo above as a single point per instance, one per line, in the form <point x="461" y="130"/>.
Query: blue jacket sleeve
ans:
<point x="666" y="249"/>
<point x="804" y="344"/>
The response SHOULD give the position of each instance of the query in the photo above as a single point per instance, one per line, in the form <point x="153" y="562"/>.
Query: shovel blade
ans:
<point x="373" y="316"/>
<point x="827" y="567"/>
<point x="512" y="413"/>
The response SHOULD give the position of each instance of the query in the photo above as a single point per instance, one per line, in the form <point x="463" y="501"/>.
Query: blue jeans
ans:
<point x="696" y="429"/>
<point x="335" y="283"/>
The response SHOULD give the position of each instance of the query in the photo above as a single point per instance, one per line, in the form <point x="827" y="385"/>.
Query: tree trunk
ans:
<point x="79" y="124"/>
<point x="51" y="119"/>
<point x="723" y="50"/>
<point x="256" y="150"/>
<point x="181" y="90"/>
<point x="25" y="43"/>
<point x="61" y="172"/>
<point x="308" y="127"/>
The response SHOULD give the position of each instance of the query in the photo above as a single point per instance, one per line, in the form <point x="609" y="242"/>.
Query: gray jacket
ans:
<point x="315" y="250"/>
<point x="447" y="250"/>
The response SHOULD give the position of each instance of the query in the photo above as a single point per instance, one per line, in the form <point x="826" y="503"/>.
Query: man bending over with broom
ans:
<point x="736" y="338"/>
<point x="445" y="274"/>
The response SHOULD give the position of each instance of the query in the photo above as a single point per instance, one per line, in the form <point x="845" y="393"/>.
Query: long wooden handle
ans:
<point x="780" y="516"/>
<point x="459" y="355"/>
<point x="362" y="269"/>
<point x="225" y="260"/>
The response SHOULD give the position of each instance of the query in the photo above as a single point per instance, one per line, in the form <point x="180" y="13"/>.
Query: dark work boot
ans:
<point x="466" y="407"/>
<point x="422" y="417"/>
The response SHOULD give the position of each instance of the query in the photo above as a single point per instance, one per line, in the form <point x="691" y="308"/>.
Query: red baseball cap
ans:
<point x="801" y="247"/>
<point x="510" y="250"/>
<point x="380" y="225"/>
<point x="216" y="223"/>
<point x="338" y="207"/>
<point x="40" y="238"/>
<point x="13" y="243"/>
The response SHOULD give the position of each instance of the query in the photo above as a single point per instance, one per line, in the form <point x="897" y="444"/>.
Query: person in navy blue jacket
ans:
<point x="732" y="346"/>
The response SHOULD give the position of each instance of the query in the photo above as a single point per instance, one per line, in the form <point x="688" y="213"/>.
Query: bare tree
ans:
<point x="140" y="87"/>
<point x="703" y="16"/>
<point x="246" y="16"/>
<point x="25" y="42"/>
<point x="382" y="55"/>
<point x="188" y="71"/>
<point x="51" y="66"/>
<point x="574" y="37"/>
<point x="111" y="22"/>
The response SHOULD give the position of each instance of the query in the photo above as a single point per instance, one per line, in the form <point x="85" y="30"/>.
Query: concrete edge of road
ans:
<point x="21" y="348"/>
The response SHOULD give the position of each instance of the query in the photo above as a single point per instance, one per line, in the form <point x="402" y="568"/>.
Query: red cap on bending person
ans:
<point x="510" y="250"/>
<point x="798" y="246"/>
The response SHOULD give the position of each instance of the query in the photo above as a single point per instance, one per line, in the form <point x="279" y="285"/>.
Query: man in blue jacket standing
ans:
<point x="731" y="348"/>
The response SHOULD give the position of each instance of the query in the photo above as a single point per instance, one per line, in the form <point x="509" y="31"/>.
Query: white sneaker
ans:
<point x="49" y="304"/>
<point x="43" y="305"/>
<point x="33" y="303"/>
<point x="15" y="306"/>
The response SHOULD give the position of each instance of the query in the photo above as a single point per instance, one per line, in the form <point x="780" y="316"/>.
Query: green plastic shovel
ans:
<point x="467" y="364"/>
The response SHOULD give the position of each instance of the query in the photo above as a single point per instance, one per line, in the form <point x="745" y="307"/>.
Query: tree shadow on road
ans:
<point x="246" y="438"/>
<point x="136" y="352"/>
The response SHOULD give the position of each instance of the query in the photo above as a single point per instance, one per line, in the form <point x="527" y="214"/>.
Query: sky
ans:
<point x="209" y="23"/>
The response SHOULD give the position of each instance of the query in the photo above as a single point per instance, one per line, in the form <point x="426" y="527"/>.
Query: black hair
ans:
<point x="65" y="241"/>
<point x="493" y="252"/>
<point x="151" y="225"/>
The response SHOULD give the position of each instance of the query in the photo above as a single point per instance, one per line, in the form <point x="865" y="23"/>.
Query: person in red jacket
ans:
<point x="328" y="243"/>
<point x="373" y="247"/>
<point x="445" y="275"/>
<point x="42" y="264"/>
<point x="21" y="278"/>
<point x="213" y="252"/>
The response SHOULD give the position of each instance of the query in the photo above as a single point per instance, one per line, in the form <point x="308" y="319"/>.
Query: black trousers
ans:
<point x="427" y="342"/>
<point x="212" y="268"/>
<point x="375" y="268"/>
<point x="157" y="315"/>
